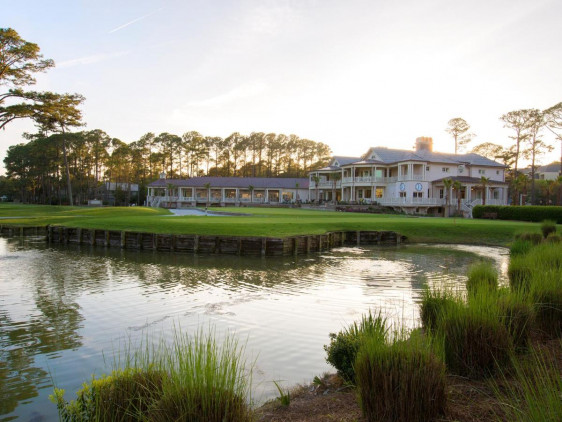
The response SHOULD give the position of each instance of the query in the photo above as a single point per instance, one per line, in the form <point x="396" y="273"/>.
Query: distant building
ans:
<point x="113" y="193"/>
<point x="180" y="193"/>
<point x="411" y="181"/>
<point x="549" y="172"/>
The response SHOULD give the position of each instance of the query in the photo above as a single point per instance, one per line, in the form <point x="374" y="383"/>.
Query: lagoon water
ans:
<point x="66" y="310"/>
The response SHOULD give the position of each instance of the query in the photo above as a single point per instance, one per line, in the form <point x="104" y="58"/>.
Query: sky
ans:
<point x="352" y="74"/>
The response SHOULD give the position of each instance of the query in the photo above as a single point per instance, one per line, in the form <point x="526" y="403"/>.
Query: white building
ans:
<point x="223" y="191"/>
<point x="411" y="181"/>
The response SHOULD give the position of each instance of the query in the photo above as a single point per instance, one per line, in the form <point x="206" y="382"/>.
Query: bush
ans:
<point x="520" y="213"/>
<point x="192" y="380"/>
<point x="403" y="381"/>
<point x="344" y="346"/>
<point x="482" y="275"/>
<point x="548" y="227"/>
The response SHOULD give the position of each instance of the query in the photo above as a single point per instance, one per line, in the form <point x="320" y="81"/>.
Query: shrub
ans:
<point x="191" y="380"/>
<point x="403" y="381"/>
<point x="435" y="303"/>
<point x="344" y="346"/>
<point x="520" y="213"/>
<point x="482" y="275"/>
<point x="548" y="227"/>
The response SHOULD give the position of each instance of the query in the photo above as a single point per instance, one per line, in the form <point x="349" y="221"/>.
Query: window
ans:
<point x="497" y="172"/>
<point x="445" y="169"/>
<point x="379" y="192"/>
<point x="481" y="171"/>
<point x="427" y="168"/>
<point x="418" y="194"/>
<point x="402" y="194"/>
<point x="441" y="193"/>
<point x="461" y="169"/>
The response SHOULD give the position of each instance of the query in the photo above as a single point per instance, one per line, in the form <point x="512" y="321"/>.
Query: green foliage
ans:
<point x="533" y="393"/>
<point x="284" y="396"/>
<point x="435" y="303"/>
<point x="533" y="238"/>
<point x="519" y="273"/>
<point x="191" y="380"/>
<point x="343" y="347"/>
<point x="482" y="275"/>
<point x="554" y="238"/>
<point x="520" y="247"/>
<point x="400" y="381"/>
<point x="518" y="316"/>
<point x="548" y="227"/>
<point x="520" y="213"/>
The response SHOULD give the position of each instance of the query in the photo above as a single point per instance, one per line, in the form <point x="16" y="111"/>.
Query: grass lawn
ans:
<point x="270" y="222"/>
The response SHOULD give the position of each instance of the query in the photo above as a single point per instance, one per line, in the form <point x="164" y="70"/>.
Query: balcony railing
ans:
<point x="411" y="201"/>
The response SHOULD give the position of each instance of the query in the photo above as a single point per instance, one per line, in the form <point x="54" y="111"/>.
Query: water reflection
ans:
<point x="63" y="307"/>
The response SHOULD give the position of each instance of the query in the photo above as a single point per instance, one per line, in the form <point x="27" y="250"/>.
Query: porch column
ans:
<point x="267" y="195"/>
<point x="469" y="193"/>
<point x="222" y="195"/>
<point x="410" y="171"/>
<point x="486" y="193"/>
<point x="237" y="199"/>
<point x="192" y="193"/>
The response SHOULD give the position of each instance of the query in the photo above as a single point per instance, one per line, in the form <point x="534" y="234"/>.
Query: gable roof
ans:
<point x="234" y="182"/>
<point x="553" y="167"/>
<point x="342" y="161"/>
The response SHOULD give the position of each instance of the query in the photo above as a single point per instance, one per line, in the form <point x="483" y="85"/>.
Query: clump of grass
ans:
<point x="546" y="295"/>
<point x="548" y="227"/>
<point x="553" y="238"/>
<point x="534" y="393"/>
<point x="435" y="303"/>
<point x="400" y="381"/>
<point x="482" y="275"/>
<point x="194" y="379"/>
<point x="284" y="395"/>
<point x="517" y="315"/>
<point x="520" y="247"/>
<point x="534" y="238"/>
<point x="343" y="347"/>
<point x="519" y="273"/>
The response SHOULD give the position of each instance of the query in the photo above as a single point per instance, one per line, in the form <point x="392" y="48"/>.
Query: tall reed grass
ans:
<point x="400" y="380"/>
<point x="193" y="379"/>
<point x="482" y="275"/>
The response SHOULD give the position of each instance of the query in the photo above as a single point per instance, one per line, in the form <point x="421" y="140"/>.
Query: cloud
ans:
<point x="133" y="21"/>
<point x="94" y="58"/>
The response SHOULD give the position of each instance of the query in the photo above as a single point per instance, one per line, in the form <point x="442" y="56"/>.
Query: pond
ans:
<point x="65" y="310"/>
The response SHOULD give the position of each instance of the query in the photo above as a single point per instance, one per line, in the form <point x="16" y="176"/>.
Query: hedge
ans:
<point x="519" y="213"/>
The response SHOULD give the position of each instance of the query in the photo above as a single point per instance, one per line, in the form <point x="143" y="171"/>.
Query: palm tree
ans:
<point x="335" y="176"/>
<point x="484" y="181"/>
<point x="316" y="180"/>
<point x="457" y="187"/>
<point x="447" y="183"/>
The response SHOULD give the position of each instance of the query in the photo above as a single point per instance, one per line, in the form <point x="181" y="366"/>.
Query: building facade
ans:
<point x="411" y="181"/>
<point x="224" y="191"/>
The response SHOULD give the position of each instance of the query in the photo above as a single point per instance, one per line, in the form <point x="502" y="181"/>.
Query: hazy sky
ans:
<point x="351" y="74"/>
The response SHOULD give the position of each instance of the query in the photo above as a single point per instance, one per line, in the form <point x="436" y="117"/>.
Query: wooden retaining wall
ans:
<point x="205" y="244"/>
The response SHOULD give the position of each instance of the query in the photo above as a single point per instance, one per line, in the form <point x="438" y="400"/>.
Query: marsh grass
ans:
<point x="482" y="275"/>
<point x="343" y="347"/>
<point x="520" y="247"/>
<point x="548" y="227"/>
<point x="435" y="303"/>
<point x="400" y="380"/>
<point x="193" y="379"/>
<point x="531" y="391"/>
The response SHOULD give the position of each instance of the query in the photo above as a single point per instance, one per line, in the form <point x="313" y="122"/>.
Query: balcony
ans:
<point x="412" y="202"/>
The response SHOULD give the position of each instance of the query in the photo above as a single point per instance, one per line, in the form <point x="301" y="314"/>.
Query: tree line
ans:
<point x="37" y="168"/>
<point x="528" y="127"/>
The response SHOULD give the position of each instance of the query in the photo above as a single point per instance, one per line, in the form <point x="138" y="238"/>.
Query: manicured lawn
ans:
<point x="271" y="222"/>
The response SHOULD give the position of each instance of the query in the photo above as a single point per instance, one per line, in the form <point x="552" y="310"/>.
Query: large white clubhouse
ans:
<point x="411" y="181"/>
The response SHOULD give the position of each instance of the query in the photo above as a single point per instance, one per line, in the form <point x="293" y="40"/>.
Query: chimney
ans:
<point x="424" y="143"/>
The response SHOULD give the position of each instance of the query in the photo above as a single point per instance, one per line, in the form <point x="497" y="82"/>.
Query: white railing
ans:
<point x="411" y="201"/>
